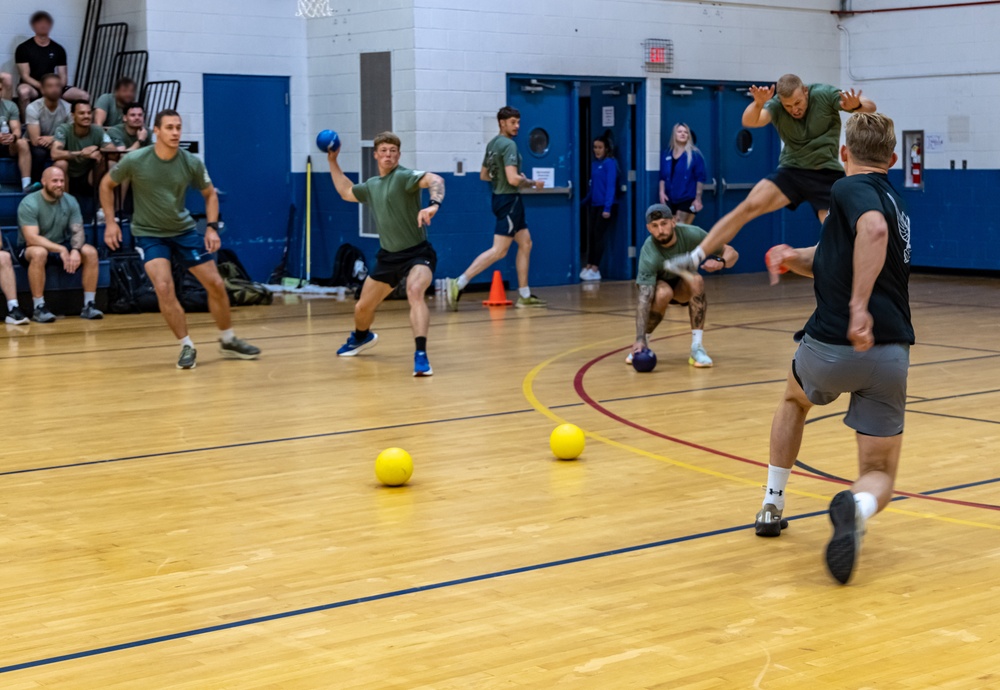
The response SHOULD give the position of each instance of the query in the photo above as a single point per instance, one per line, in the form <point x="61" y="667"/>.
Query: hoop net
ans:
<point x="314" y="8"/>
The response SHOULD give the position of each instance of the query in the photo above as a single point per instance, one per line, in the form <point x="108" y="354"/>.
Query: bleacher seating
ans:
<point x="64" y="293"/>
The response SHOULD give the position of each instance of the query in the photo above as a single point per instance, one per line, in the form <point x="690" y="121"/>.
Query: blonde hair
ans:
<point x="788" y="85"/>
<point x="871" y="138"/>
<point x="386" y="138"/>
<point x="689" y="147"/>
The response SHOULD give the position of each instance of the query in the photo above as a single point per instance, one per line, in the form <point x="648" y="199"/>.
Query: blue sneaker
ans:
<point x="353" y="347"/>
<point x="421" y="365"/>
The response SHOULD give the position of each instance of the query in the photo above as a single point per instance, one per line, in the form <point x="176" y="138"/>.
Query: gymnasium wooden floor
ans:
<point x="222" y="528"/>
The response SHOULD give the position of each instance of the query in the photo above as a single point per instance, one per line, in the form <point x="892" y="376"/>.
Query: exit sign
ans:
<point x="658" y="55"/>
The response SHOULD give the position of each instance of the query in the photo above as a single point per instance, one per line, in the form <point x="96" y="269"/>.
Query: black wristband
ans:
<point x="719" y="259"/>
<point x="213" y="224"/>
<point x="434" y="202"/>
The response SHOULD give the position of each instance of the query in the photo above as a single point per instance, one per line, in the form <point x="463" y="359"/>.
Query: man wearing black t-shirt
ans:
<point x="38" y="56"/>
<point x="857" y="341"/>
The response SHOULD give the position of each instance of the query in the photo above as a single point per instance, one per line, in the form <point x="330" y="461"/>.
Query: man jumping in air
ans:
<point x="808" y="121"/>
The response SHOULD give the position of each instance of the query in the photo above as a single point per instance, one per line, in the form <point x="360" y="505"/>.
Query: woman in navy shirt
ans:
<point x="600" y="205"/>
<point x="682" y="175"/>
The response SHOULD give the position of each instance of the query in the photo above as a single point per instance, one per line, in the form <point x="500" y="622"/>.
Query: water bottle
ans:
<point x="4" y="127"/>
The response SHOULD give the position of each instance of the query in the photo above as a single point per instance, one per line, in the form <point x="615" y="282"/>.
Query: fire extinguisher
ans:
<point x="915" y="164"/>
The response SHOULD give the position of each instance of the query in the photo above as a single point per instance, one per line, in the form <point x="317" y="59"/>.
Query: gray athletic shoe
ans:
<point x="529" y="302"/>
<point x="239" y="349"/>
<point x="42" y="314"/>
<point x="452" y="293"/>
<point x="844" y="546"/>
<point x="187" y="358"/>
<point x="769" y="522"/>
<point x="91" y="313"/>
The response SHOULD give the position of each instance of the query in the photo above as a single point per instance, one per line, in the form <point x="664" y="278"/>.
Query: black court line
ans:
<point x="380" y="597"/>
<point x="954" y="416"/>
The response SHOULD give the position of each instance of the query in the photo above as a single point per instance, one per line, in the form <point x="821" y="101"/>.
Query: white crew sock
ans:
<point x="25" y="181"/>
<point x="89" y="297"/>
<point x="777" y="478"/>
<point x="37" y="301"/>
<point x="462" y="281"/>
<point x="12" y="304"/>
<point x="696" y="337"/>
<point x="186" y="340"/>
<point x="867" y="504"/>
<point x="524" y="292"/>
<point x="227" y="335"/>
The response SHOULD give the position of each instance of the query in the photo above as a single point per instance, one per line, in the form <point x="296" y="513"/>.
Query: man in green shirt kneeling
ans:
<point x="50" y="228"/>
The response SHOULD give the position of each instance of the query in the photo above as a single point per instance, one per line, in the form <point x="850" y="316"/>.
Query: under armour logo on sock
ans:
<point x="772" y="492"/>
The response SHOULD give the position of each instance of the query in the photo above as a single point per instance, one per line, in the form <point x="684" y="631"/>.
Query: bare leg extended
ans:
<point x="765" y="197"/>
<point x="878" y="460"/>
<point x="523" y="239"/>
<point x="218" y="299"/>
<point x="501" y="245"/>
<point x="373" y="293"/>
<point x="161" y="276"/>
<point x="417" y="282"/>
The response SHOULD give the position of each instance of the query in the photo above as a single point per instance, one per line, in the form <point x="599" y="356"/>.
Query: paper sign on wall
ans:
<point x="608" y="116"/>
<point x="546" y="175"/>
<point x="934" y="142"/>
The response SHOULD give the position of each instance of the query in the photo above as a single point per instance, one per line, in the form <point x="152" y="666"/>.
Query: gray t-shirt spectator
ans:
<point x="48" y="121"/>
<point x="108" y="104"/>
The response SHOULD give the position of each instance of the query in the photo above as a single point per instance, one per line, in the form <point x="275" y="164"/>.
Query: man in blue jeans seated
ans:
<point x="50" y="230"/>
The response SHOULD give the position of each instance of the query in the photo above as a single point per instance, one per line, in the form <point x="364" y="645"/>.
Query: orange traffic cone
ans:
<point x="498" y="297"/>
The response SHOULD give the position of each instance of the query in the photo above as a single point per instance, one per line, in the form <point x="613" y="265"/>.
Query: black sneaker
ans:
<point x="769" y="522"/>
<point x="91" y="313"/>
<point x="42" y="314"/>
<point x="844" y="546"/>
<point x="188" y="358"/>
<point x="16" y="317"/>
<point x="239" y="349"/>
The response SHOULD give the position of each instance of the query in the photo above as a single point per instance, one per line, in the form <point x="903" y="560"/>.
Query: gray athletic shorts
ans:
<point x="876" y="380"/>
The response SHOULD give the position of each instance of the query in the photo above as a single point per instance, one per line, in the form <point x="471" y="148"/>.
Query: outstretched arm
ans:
<point x="870" y="246"/>
<point x="642" y="325"/>
<point x="340" y="182"/>
<point x="855" y="103"/>
<point x="783" y="258"/>
<point x="755" y="115"/>
<point x="435" y="183"/>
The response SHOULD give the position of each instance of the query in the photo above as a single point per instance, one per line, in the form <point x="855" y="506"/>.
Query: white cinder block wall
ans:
<point x="465" y="48"/>
<point x="14" y="29"/>
<point x="894" y="56"/>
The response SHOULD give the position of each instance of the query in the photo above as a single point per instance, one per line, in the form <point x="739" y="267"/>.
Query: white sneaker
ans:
<point x="584" y="273"/>
<point x="699" y="358"/>
<point x="628" y="360"/>
<point x="595" y="274"/>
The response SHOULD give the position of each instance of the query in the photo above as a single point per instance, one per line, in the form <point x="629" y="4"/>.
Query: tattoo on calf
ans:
<point x="697" y="308"/>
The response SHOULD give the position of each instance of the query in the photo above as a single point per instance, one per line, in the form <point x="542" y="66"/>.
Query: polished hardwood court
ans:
<point x="223" y="528"/>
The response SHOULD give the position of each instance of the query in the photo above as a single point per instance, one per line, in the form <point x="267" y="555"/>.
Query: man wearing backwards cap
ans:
<point x="659" y="288"/>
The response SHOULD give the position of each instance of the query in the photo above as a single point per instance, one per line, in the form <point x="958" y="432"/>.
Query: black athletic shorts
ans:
<point x="673" y="283"/>
<point x="684" y="206"/>
<point x="392" y="268"/>
<point x="509" y="210"/>
<point x="799" y="185"/>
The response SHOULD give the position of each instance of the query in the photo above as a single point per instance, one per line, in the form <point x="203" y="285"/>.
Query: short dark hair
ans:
<point x="74" y="104"/>
<point x="124" y="81"/>
<point x="46" y="77"/>
<point x="386" y="138"/>
<point x="132" y="106"/>
<point x="41" y="15"/>
<point x="166" y="112"/>
<point x="507" y="113"/>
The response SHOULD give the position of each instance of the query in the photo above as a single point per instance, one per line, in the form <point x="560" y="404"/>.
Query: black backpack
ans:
<point x="130" y="291"/>
<point x="243" y="291"/>
<point x="347" y="272"/>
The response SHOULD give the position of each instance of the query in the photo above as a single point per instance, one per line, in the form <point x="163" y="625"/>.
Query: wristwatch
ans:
<point x="215" y="225"/>
<point x="718" y="258"/>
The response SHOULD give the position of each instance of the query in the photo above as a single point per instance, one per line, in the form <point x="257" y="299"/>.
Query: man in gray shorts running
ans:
<point x="857" y="341"/>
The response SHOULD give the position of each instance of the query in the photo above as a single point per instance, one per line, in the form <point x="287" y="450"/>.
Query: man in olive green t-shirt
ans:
<point x="405" y="255"/>
<point x="131" y="133"/>
<point x="659" y="288"/>
<point x="807" y="118"/>
<point x="109" y="109"/>
<point x="50" y="230"/>
<point x="502" y="169"/>
<point x="164" y="230"/>
<point x="77" y="148"/>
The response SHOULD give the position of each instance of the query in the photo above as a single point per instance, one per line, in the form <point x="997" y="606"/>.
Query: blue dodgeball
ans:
<point x="328" y="140"/>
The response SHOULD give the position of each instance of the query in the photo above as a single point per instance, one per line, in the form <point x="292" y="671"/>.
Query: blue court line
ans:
<point x="379" y="597"/>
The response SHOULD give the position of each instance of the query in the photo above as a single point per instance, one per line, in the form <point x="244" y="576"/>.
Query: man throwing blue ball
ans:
<point x="658" y="288"/>
<point x="405" y="254"/>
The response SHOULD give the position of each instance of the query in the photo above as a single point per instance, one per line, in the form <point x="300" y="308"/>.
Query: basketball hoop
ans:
<point x="314" y="8"/>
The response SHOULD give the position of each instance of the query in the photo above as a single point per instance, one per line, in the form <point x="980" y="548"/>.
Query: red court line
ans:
<point x="585" y="397"/>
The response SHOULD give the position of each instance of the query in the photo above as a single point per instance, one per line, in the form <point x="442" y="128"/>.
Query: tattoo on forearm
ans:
<point x="77" y="236"/>
<point x="437" y="189"/>
<point x="697" y="309"/>
<point x="642" y="314"/>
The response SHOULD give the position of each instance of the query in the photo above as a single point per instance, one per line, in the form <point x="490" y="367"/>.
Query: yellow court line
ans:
<point x="528" y="385"/>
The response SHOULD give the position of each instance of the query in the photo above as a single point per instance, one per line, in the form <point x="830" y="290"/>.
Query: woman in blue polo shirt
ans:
<point x="600" y="206"/>
<point x="682" y="175"/>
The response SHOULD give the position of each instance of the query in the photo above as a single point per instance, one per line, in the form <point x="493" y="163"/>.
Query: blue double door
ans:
<point x="736" y="159"/>
<point x="560" y="117"/>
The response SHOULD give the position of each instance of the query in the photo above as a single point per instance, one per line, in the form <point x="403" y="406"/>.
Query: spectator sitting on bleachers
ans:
<point x="131" y="134"/>
<point x="50" y="227"/>
<point x="43" y="117"/>
<point x="39" y="56"/>
<point x="12" y="143"/>
<point x="109" y="109"/>
<point x="77" y="150"/>
<point x="8" y="285"/>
